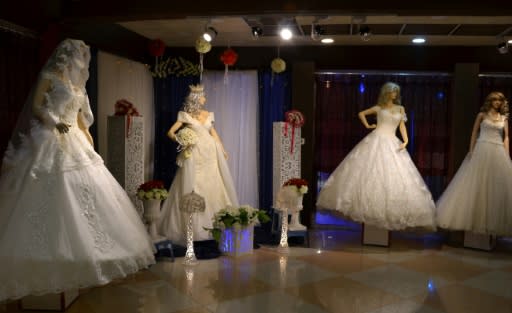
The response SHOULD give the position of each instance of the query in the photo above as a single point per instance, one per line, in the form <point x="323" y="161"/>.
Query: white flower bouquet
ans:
<point x="237" y="218"/>
<point x="186" y="138"/>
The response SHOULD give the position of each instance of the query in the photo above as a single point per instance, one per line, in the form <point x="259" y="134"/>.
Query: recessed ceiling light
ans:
<point x="327" y="40"/>
<point x="418" y="40"/>
<point x="510" y="41"/>
<point x="286" y="33"/>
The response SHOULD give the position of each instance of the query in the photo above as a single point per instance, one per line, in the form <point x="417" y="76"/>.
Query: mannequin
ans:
<point x="203" y="169"/>
<point x="478" y="198"/>
<point x="65" y="222"/>
<point x="377" y="183"/>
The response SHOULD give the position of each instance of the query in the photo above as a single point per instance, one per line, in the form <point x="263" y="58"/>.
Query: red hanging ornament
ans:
<point x="229" y="57"/>
<point x="156" y="48"/>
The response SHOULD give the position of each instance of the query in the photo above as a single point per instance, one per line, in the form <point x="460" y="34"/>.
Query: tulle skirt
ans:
<point x="479" y="197"/>
<point x="66" y="229"/>
<point x="379" y="185"/>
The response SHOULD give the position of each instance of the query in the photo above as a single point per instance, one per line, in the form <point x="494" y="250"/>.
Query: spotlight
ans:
<point x="256" y="31"/>
<point x="509" y="41"/>
<point x="286" y="33"/>
<point x="502" y="47"/>
<point x="365" y="33"/>
<point x="209" y="34"/>
<point x="418" y="40"/>
<point x="316" y="31"/>
<point x="327" y="40"/>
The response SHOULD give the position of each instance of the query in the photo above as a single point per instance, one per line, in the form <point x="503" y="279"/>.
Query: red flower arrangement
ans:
<point x="301" y="184"/>
<point x="125" y="107"/>
<point x="153" y="189"/>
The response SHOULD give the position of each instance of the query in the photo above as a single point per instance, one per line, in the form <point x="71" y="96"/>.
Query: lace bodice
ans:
<point x="388" y="120"/>
<point x="492" y="131"/>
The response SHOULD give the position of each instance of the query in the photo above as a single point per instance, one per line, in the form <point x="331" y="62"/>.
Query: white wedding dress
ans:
<point x="479" y="197"/>
<point x="65" y="222"/>
<point x="206" y="172"/>
<point x="379" y="185"/>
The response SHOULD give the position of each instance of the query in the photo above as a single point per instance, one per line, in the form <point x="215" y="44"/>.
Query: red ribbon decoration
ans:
<point x="296" y="119"/>
<point x="124" y="107"/>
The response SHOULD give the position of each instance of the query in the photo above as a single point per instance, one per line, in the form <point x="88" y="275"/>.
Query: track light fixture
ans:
<point x="256" y="31"/>
<point x="365" y="32"/>
<point x="316" y="31"/>
<point x="210" y="33"/>
<point x="502" y="47"/>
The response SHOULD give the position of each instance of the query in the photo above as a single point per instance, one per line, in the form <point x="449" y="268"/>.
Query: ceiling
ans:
<point x="344" y="29"/>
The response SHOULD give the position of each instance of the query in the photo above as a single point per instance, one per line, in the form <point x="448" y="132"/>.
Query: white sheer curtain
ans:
<point x="235" y="105"/>
<point x="120" y="78"/>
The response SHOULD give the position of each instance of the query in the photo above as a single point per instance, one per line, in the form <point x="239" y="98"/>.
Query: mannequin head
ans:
<point x="70" y="61"/>
<point x="389" y="92"/>
<point x="497" y="101"/>
<point x="195" y="100"/>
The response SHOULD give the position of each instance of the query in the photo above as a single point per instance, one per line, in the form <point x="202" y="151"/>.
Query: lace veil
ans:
<point x="68" y="63"/>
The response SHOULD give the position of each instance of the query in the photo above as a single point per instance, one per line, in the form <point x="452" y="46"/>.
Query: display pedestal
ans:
<point x="237" y="242"/>
<point x="479" y="241"/>
<point x="125" y="155"/>
<point x="49" y="302"/>
<point x="375" y="236"/>
<point x="286" y="156"/>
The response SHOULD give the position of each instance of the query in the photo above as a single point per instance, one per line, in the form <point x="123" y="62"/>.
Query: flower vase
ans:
<point x="152" y="215"/>
<point x="237" y="241"/>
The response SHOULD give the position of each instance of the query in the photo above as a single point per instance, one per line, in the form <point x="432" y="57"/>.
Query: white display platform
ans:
<point x="375" y="236"/>
<point x="479" y="241"/>
<point x="49" y="302"/>
<point x="125" y="155"/>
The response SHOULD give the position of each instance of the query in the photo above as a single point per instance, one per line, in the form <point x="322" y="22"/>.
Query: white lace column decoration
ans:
<point x="125" y="153"/>
<point x="286" y="161"/>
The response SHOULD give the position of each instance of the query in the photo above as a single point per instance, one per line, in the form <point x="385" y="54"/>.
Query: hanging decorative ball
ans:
<point x="192" y="202"/>
<point x="229" y="57"/>
<point x="278" y="65"/>
<point x="156" y="48"/>
<point x="203" y="46"/>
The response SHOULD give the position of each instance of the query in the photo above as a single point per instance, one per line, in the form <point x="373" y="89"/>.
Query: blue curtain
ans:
<point x="169" y="94"/>
<point x="275" y="99"/>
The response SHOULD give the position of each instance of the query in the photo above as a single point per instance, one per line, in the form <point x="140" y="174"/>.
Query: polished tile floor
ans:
<point x="420" y="273"/>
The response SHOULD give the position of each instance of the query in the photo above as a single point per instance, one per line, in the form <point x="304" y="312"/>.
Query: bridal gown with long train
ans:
<point x="479" y="197"/>
<point x="205" y="172"/>
<point x="378" y="184"/>
<point x="65" y="222"/>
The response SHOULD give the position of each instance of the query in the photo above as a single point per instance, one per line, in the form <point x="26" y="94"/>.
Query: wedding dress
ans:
<point x="65" y="222"/>
<point x="378" y="184"/>
<point x="206" y="172"/>
<point x="479" y="197"/>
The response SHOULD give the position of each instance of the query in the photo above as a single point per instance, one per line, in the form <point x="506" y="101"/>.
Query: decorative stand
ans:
<point x="283" y="243"/>
<point x="49" y="302"/>
<point x="237" y="242"/>
<point x="286" y="156"/>
<point x="191" y="203"/>
<point x="125" y="156"/>
<point x="479" y="241"/>
<point x="152" y="215"/>
<point x="375" y="236"/>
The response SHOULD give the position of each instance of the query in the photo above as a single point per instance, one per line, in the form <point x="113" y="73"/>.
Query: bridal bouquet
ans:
<point x="301" y="184"/>
<point x="186" y="138"/>
<point x="152" y="190"/>
<point x="236" y="217"/>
